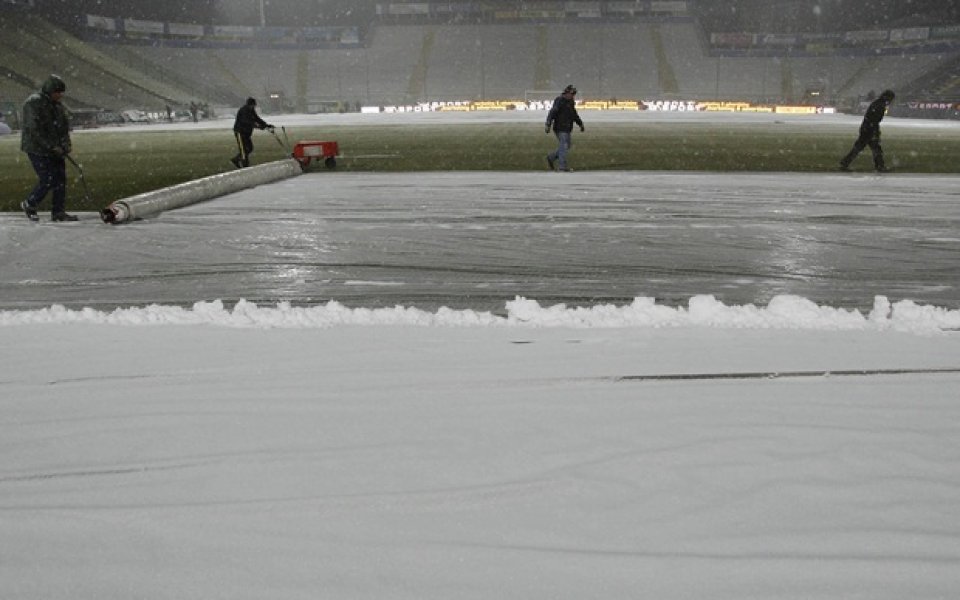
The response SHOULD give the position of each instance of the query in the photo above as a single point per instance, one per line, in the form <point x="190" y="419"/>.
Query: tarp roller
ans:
<point x="198" y="190"/>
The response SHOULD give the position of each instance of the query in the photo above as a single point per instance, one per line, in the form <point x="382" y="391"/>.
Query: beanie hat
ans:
<point x="888" y="95"/>
<point x="251" y="102"/>
<point x="569" y="90"/>
<point x="53" y="84"/>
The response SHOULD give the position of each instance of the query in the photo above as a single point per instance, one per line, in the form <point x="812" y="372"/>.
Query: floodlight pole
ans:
<point x="716" y="91"/>
<point x="263" y="15"/>
<point x="481" y="69"/>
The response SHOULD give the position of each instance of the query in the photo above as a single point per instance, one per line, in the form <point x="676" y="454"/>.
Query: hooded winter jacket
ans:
<point x="46" y="125"/>
<point x="247" y="119"/>
<point x="875" y="113"/>
<point x="563" y="114"/>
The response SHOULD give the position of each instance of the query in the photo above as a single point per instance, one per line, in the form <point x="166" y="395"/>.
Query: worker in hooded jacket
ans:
<point x="247" y="120"/>
<point x="870" y="134"/>
<point x="46" y="140"/>
<point x="562" y="116"/>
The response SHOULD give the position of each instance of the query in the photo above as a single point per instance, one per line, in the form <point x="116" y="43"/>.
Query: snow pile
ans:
<point x="783" y="312"/>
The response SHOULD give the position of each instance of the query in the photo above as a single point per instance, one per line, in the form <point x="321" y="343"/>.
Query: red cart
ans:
<point x="306" y="151"/>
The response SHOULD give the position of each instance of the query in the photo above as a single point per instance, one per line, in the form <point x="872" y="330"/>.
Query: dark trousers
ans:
<point x="868" y="137"/>
<point x="245" y="147"/>
<point x="51" y="176"/>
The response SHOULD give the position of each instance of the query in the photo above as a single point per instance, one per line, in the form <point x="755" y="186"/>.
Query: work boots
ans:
<point x="29" y="211"/>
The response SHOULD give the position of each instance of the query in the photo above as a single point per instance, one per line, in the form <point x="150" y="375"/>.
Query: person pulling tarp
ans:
<point x="247" y="120"/>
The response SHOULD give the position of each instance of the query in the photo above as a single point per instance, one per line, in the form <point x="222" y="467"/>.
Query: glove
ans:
<point x="270" y="128"/>
<point x="67" y="148"/>
<point x="546" y="129"/>
<point x="581" y="129"/>
<point x="57" y="151"/>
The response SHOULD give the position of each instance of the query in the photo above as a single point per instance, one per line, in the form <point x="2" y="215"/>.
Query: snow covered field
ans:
<point x="298" y="448"/>
<point x="501" y="461"/>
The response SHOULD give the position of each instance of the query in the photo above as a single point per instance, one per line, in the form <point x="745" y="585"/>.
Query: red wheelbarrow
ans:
<point x="306" y="151"/>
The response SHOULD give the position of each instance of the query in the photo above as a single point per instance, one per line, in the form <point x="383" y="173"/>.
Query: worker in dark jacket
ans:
<point x="46" y="140"/>
<point x="247" y="120"/>
<point x="562" y="116"/>
<point x="870" y="133"/>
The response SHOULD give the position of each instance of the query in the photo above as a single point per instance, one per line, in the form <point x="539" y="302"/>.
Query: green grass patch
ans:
<point x="118" y="163"/>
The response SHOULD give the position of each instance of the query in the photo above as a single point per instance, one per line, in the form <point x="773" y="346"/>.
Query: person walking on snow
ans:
<point x="870" y="134"/>
<point x="247" y="120"/>
<point x="562" y="116"/>
<point x="46" y="140"/>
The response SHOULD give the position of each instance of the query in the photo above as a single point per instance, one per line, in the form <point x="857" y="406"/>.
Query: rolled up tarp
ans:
<point x="198" y="190"/>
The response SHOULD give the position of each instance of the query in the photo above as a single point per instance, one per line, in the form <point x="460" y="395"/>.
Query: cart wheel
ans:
<point x="331" y="162"/>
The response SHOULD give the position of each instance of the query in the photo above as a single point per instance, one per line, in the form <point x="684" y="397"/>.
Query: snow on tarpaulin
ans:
<point x="198" y="190"/>
<point x="783" y="312"/>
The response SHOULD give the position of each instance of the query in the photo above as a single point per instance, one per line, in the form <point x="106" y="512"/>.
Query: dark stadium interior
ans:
<point x="309" y="56"/>
<point x="780" y="15"/>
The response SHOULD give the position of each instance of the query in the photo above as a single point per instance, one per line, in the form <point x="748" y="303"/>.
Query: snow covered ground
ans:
<point x="225" y="460"/>
<point x="745" y="442"/>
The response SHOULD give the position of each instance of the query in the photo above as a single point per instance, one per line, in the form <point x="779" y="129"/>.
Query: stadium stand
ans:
<point x="889" y="71"/>
<point x="334" y="76"/>
<point x="605" y="60"/>
<point x="457" y="53"/>
<point x="197" y="70"/>
<point x="412" y="60"/>
<point x="258" y="71"/>
<point x="32" y="48"/>
<point x="941" y="84"/>
<point x="393" y="53"/>
<point x="473" y="62"/>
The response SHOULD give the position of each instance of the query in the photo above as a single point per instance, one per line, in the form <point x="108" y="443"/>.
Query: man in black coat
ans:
<point x="562" y="116"/>
<point x="46" y="140"/>
<point x="870" y="133"/>
<point x="247" y="120"/>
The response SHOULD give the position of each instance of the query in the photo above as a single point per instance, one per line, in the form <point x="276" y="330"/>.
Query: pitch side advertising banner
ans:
<point x="821" y="38"/>
<point x="98" y="22"/>
<point x="584" y="10"/>
<point x="910" y="34"/>
<point x="927" y="110"/>
<point x="137" y="26"/>
<point x="582" y="7"/>
<point x="778" y="39"/>
<point x="342" y="35"/>
<point x="409" y="9"/>
<point x="671" y="7"/>
<point x="949" y="31"/>
<point x="630" y="8"/>
<point x="536" y="6"/>
<point x="732" y="40"/>
<point x="874" y="35"/>
<point x="238" y="31"/>
<point x="454" y="8"/>
<point x="185" y="29"/>
<point x="671" y="105"/>
<point x="145" y="27"/>
<point x="932" y="105"/>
